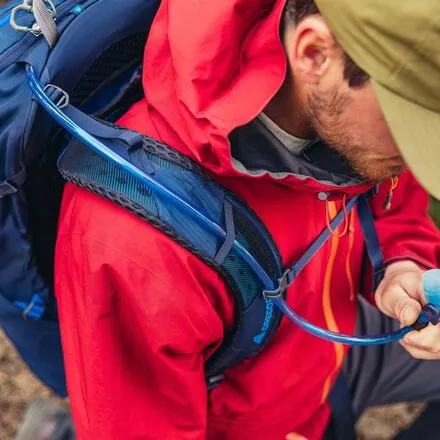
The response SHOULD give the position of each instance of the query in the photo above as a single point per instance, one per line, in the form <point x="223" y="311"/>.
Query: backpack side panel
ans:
<point x="30" y="188"/>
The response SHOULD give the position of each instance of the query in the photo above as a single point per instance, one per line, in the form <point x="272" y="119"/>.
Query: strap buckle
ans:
<point x="57" y="95"/>
<point x="283" y="284"/>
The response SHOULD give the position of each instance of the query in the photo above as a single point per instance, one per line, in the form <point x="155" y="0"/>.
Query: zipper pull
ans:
<point x="389" y="199"/>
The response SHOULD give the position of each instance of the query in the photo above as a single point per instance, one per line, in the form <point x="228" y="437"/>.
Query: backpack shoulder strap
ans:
<point x="371" y="239"/>
<point x="173" y="194"/>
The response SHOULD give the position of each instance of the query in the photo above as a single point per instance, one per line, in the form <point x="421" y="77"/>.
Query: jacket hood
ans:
<point x="209" y="68"/>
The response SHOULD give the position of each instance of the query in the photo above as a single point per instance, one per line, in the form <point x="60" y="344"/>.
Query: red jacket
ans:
<point x="140" y="314"/>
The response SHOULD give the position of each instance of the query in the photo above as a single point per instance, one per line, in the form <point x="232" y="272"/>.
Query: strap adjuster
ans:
<point x="283" y="283"/>
<point x="57" y="95"/>
<point x="6" y="189"/>
<point x="10" y="186"/>
<point x="34" y="309"/>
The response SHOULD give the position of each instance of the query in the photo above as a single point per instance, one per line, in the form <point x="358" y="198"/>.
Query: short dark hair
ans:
<point x="297" y="10"/>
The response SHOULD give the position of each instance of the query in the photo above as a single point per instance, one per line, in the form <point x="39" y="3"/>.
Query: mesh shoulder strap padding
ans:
<point x="256" y="317"/>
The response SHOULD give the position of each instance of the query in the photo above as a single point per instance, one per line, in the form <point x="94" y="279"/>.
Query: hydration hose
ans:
<point x="430" y="315"/>
<point x="423" y="320"/>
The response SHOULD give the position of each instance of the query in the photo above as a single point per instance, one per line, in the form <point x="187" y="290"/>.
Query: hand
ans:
<point x="293" y="436"/>
<point x="400" y="296"/>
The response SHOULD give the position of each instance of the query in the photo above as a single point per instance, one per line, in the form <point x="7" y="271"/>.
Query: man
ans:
<point x="140" y="314"/>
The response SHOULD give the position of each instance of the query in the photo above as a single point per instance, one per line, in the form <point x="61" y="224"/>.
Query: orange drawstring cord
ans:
<point x="388" y="200"/>
<point x="346" y="218"/>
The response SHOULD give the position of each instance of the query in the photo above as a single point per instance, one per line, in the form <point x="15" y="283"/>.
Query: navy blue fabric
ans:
<point x="258" y="326"/>
<point x="96" y="128"/>
<point x="25" y="135"/>
<point x="371" y="240"/>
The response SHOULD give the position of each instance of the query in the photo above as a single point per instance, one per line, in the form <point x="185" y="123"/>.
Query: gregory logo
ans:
<point x="266" y="323"/>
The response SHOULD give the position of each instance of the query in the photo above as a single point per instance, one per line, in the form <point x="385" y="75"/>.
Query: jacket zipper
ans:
<point x="329" y="316"/>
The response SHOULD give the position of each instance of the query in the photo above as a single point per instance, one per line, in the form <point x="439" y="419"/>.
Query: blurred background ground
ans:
<point x="18" y="388"/>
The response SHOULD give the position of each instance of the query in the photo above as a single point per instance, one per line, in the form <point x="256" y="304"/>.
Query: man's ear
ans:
<point x="311" y="49"/>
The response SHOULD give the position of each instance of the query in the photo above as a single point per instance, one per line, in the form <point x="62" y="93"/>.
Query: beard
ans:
<point x="326" y="113"/>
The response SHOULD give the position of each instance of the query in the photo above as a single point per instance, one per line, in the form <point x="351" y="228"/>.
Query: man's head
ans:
<point x="332" y="97"/>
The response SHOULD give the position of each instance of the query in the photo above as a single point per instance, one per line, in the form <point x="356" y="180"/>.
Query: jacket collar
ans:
<point x="256" y="150"/>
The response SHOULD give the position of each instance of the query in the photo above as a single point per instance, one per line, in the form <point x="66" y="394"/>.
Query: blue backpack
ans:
<point x="47" y="89"/>
<point x="58" y="105"/>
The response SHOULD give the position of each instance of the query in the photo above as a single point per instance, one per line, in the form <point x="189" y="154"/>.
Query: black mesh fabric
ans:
<point x="122" y="54"/>
<point x="243" y="277"/>
<point x="247" y="236"/>
<point x="162" y="151"/>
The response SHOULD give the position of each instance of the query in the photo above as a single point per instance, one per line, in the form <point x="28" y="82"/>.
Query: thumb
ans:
<point x="396" y="303"/>
<point x="410" y="312"/>
<point x="293" y="436"/>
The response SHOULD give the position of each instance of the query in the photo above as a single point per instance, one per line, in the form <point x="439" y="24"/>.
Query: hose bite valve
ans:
<point x="431" y="312"/>
<point x="430" y="315"/>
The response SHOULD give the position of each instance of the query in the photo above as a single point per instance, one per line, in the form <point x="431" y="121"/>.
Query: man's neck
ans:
<point x="286" y="111"/>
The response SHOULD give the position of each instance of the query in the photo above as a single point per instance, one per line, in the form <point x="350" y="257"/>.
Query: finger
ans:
<point x="395" y="302"/>
<point x="293" y="436"/>
<point x="420" y="354"/>
<point x="428" y="339"/>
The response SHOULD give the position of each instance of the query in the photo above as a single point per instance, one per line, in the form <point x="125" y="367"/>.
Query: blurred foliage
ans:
<point x="435" y="211"/>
